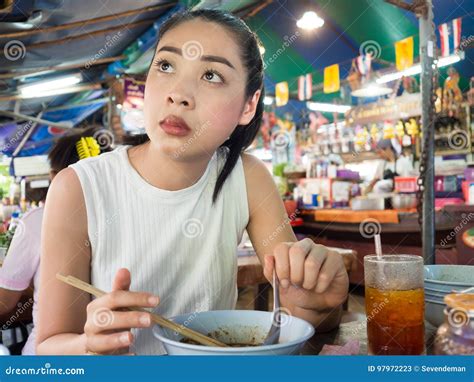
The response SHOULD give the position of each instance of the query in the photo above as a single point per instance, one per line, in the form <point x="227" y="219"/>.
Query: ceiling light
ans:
<point x="327" y="107"/>
<point x="310" y="21"/>
<point x="46" y="87"/>
<point x="416" y="69"/>
<point x="372" y="90"/>
<point x="268" y="100"/>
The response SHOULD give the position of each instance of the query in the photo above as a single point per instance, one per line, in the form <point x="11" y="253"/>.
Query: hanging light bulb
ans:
<point x="372" y="90"/>
<point x="268" y="100"/>
<point x="310" y="21"/>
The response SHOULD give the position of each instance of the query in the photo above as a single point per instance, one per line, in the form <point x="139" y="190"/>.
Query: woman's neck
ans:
<point x="163" y="172"/>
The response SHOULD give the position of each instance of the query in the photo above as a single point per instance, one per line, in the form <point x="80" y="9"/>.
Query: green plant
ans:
<point x="6" y="239"/>
<point x="279" y="169"/>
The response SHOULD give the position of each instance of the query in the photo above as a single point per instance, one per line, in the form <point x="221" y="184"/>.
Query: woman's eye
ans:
<point x="212" y="76"/>
<point x="164" y="66"/>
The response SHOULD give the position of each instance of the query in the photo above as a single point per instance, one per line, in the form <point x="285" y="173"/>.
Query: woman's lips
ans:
<point x="174" y="125"/>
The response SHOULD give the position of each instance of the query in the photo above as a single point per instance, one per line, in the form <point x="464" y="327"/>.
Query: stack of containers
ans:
<point x="406" y="185"/>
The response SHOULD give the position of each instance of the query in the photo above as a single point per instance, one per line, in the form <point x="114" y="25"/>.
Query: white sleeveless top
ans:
<point x="176" y="244"/>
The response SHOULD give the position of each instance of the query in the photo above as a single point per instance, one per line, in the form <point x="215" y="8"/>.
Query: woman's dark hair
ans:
<point x="384" y="144"/>
<point x="64" y="150"/>
<point x="35" y="194"/>
<point x="243" y="135"/>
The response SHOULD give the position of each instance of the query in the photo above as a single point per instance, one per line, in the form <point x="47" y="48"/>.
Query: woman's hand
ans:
<point x="311" y="276"/>
<point x="108" y="324"/>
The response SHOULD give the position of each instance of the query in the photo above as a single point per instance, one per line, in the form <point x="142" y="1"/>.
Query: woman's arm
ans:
<point x="8" y="300"/>
<point x="65" y="250"/>
<point x="378" y="175"/>
<point x="69" y="322"/>
<point x="317" y="281"/>
<point x="21" y="264"/>
<point x="371" y="186"/>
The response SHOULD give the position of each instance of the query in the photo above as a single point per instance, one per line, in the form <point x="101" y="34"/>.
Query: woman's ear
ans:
<point x="250" y="108"/>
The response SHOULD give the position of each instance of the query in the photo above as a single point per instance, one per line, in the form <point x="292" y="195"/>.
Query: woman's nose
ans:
<point x="181" y="99"/>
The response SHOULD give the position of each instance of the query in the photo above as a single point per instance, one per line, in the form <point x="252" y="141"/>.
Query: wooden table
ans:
<point x="355" y="330"/>
<point x="250" y="273"/>
<point x="402" y="237"/>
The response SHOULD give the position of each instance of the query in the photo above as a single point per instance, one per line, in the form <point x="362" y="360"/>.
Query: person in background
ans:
<point x="392" y="163"/>
<point x="21" y="265"/>
<point x="405" y="163"/>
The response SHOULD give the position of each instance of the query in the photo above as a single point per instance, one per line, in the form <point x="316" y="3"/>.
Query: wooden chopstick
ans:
<point x="189" y="333"/>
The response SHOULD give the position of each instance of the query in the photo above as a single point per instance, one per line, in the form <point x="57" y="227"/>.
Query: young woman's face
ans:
<point x="196" y="75"/>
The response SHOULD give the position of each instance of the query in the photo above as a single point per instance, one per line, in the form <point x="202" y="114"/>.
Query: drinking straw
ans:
<point x="468" y="290"/>
<point x="378" y="246"/>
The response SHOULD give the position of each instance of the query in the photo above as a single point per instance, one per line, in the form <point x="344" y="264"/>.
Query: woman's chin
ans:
<point x="181" y="149"/>
<point x="177" y="150"/>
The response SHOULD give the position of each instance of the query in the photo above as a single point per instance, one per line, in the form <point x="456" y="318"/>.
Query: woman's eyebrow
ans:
<point x="209" y="58"/>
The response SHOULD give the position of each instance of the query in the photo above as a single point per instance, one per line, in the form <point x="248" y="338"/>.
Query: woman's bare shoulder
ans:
<point x="254" y="168"/>
<point x="259" y="181"/>
<point x="65" y="196"/>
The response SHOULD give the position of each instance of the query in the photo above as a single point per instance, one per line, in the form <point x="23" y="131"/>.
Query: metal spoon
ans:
<point x="274" y="333"/>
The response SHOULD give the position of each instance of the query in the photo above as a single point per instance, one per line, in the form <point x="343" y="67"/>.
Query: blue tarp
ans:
<point x="42" y="138"/>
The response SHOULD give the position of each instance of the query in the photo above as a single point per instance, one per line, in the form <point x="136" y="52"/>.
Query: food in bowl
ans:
<point x="234" y="345"/>
<point x="236" y="327"/>
<point x="223" y="335"/>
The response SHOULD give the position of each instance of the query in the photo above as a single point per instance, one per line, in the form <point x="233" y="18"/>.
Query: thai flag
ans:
<point x="305" y="87"/>
<point x="450" y="36"/>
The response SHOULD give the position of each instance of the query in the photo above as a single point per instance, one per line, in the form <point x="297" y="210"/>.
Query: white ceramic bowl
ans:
<point x="236" y="326"/>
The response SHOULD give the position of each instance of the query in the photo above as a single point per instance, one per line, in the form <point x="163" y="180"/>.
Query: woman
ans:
<point x="158" y="224"/>
<point x="392" y="163"/>
<point x="21" y="265"/>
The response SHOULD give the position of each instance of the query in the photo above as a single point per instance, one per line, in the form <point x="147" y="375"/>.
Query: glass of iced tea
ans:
<point x="394" y="303"/>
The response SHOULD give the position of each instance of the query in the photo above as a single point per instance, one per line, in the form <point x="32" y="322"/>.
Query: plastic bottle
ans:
<point x="14" y="221"/>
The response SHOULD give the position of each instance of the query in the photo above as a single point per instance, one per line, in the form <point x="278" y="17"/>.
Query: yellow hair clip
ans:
<point x="87" y="147"/>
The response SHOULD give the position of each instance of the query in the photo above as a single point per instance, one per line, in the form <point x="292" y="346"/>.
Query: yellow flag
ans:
<point x="331" y="79"/>
<point x="404" y="53"/>
<point x="281" y="93"/>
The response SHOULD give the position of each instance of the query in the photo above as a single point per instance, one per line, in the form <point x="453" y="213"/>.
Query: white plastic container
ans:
<point x="367" y="204"/>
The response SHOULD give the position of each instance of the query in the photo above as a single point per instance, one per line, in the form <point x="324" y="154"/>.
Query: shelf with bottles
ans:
<point x="356" y="143"/>
<point x="453" y="133"/>
<point x="316" y="193"/>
